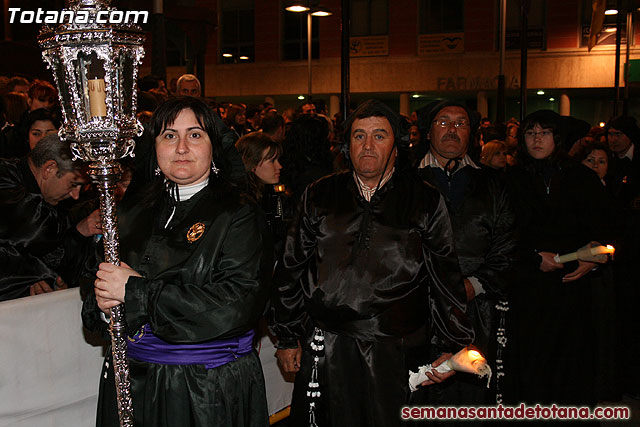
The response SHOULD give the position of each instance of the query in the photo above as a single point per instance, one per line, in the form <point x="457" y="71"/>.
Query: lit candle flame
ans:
<point x="473" y="354"/>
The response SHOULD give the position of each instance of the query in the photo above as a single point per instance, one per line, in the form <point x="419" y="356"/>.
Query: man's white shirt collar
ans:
<point x="430" y="161"/>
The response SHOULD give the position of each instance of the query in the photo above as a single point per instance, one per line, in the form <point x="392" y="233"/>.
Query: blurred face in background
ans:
<point x="598" y="161"/>
<point x="241" y="117"/>
<point x="499" y="160"/>
<point x="309" y="109"/>
<point x="512" y="136"/>
<point x="189" y="88"/>
<point x="619" y="143"/>
<point x="42" y="102"/>
<point x="414" y="136"/>
<point x="268" y="170"/>
<point x="38" y="130"/>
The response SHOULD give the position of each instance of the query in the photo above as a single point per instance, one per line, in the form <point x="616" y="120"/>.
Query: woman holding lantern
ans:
<point x="561" y="207"/>
<point x="193" y="278"/>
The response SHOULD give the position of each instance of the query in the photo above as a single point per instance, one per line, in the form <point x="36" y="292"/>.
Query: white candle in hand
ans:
<point x="466" y="360"/>
<point x="587" y="253"/>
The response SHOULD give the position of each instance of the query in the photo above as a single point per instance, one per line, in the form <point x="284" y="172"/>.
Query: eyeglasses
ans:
<point x="445" y="123"/>
<point x="542" y="134"/>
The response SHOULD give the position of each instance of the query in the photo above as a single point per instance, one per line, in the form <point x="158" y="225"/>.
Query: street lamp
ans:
<point x="312" y="9"/>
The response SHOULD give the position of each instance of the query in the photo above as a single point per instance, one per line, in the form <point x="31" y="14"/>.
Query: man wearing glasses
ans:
<point x="483" y="225"/>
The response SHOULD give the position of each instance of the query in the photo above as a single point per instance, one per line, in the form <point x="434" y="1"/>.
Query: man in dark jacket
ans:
<point x="483" y="226"/>
<point x="623" y="135"/>
<point x="368" y="285"/>
<point x="35" y="236"/>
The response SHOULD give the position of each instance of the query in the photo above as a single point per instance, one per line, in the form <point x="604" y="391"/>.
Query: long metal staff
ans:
<point x="105" y="175"/>
<point x="95" y="67"/>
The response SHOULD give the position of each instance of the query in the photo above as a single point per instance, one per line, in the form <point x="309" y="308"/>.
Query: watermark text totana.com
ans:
<point x="41" y="16"/>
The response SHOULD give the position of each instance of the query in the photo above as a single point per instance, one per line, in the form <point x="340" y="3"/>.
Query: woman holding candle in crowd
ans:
<point x="194" y="278"/>
<point x="561" y="206"/>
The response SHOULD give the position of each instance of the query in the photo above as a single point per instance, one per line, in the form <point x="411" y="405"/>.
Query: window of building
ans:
<point x="294" y="36"/>
<point x="369" y="18"/>
<point x="536" y="24"/>
<point x="608" y="34"/>
<point x="237" y="39"/>
<point x="441" y="16"/>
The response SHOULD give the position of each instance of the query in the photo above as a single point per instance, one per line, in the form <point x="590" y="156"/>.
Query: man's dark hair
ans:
<point x="627" y="125"/>
<point x="375" y="108"/>
<point x="497" y="131"/>
<point x="321" y="106"/>
<point x="271" y="122"/>
<point x="52" y="148"/>
<point x="252" y="110"/>
<point x="148" y="82"/>
<point x="299" y="109"/>
<point x="474" y="117"/>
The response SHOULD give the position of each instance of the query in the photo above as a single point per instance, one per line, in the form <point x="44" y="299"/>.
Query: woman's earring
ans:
<point x="157" y="171"/>
<point x="214" y="169"/>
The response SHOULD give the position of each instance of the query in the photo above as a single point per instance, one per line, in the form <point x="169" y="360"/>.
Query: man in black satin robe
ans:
<point x="370" y="268"/>
<point x="36" y="240"/>
<point x="483" y="224"/>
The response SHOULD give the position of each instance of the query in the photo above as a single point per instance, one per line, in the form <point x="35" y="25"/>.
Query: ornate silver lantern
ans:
<point x="95" y="67"/>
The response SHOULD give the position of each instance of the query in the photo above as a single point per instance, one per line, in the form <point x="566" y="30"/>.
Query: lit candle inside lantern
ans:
<point x="586" y="253"/>
<point x="97" y="98"/>
<point x="278" y="188"/>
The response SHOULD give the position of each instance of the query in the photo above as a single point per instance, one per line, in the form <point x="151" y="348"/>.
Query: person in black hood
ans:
<point x="560" y="207"/>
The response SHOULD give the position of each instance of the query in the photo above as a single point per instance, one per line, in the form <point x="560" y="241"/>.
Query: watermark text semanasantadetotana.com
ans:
<point x="42" y="16"/>
<point x="521" y="412"/>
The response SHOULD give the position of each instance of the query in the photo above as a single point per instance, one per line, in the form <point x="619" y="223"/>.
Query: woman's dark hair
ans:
<point x="593" y="146"/>
<point x="41" y="114"/>
<point x="167" y="113"/>
<point x="231" y="113"/>
<point x="251" y="146"/>
<point x="146" y="186"/>
<point x="546" y="119"/>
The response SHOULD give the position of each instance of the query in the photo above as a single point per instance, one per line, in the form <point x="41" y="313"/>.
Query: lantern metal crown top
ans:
<point x="95" y="67"/>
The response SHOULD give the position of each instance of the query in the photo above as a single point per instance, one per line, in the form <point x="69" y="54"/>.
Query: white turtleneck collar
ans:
<point x="188" y="191"/>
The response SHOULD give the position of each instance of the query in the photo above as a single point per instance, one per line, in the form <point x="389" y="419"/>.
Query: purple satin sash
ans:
<point x="146" y="347"/>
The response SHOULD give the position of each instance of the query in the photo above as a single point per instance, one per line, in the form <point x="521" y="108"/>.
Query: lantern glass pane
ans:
<point x="126" y="71"/>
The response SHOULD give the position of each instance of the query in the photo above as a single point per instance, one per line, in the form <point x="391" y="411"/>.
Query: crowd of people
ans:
<point x="372" y="246"/>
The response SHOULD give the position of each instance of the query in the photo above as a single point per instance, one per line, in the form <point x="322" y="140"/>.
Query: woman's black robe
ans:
<point x="212" y="288"/>
<point x="552" y="343"/>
